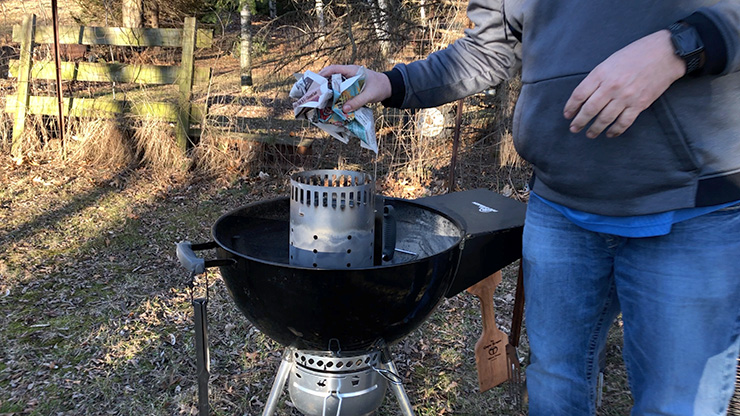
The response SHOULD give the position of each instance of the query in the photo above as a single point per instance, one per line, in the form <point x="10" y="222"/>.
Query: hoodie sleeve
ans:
<point x="484" y="57"/>
<point x="719" y="28"/>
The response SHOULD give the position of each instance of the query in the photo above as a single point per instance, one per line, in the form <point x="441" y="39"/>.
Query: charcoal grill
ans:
<point x="335" y="313"/>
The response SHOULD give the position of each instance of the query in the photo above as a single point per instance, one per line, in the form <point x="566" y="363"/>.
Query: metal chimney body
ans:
<point x="332" y="219"/>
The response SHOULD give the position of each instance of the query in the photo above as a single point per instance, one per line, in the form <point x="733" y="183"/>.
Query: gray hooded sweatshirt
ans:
<point x="681" y="152"/>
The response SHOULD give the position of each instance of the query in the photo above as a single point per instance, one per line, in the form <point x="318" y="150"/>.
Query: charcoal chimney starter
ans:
<point x="332" y="219"/>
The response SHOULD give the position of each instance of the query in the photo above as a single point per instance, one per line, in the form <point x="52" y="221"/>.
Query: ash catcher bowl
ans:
<point x="336" y="274"/>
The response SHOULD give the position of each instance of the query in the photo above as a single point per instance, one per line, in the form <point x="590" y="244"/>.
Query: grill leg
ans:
<point x="277" y="386"/>
<point x="202" y="357"/>
<point x="396" y="386"/>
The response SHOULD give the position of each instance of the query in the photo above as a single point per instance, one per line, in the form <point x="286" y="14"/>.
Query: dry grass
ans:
<point x="216" y="156"/>
<point x="99" y="315"/>
<point x="99" y="142"/>
<point x="6" y="130"/>
<point x="504" y="101"/>
<point x="11" y="12"/>
<point x="39" y="139"/>
<point x="157" y="146"/>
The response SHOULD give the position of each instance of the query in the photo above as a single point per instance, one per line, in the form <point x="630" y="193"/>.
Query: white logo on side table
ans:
<point x="484" y="209"/>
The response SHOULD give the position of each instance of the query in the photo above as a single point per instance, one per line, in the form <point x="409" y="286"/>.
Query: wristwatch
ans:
<point x="688" y="44"/>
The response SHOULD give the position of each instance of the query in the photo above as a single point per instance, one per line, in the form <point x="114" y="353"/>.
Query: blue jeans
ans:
<point x="679" y="296"/>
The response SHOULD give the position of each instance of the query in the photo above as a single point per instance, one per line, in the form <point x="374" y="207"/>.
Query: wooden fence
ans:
<point x="183" y="113"/>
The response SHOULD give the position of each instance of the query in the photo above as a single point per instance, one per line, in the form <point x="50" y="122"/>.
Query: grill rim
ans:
<point x="459" y="243"/>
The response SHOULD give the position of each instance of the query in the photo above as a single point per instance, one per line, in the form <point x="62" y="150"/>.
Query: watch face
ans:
<point x="687" y="41"/>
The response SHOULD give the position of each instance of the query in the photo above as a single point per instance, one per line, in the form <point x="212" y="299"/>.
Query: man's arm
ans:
<point x="630" y="80"/>
<point x="624" y="85"/>
<point x="485" y="56"/>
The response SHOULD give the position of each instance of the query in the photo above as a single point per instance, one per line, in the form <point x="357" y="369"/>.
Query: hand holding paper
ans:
<point x="320" y="101"/>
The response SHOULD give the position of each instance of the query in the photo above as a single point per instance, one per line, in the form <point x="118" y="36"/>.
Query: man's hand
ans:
<point x="377" y="85"/>
<point x="624" y="85"/>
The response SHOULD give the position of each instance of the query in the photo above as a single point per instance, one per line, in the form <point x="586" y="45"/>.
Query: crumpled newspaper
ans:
<point x="320" y="101"/>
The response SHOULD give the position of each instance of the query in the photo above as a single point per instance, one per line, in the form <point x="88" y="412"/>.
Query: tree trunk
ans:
<point x="273" y="9"/>
<point x="350" y="34"/>
<point x="246" y="47"/>
<point x="151" y="13"/>
<point x="382" y="24"/>
<point x="319" y="8"/>
<point x="131" y="12"/>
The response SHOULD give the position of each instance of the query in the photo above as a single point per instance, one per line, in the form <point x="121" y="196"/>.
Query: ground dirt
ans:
<point x="97" y="317"/>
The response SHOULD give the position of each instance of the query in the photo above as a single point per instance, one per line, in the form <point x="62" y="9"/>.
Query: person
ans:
<point x="629" y="114"/>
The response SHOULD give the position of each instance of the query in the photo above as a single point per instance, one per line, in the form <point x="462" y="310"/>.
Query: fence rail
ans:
<point x="114" y="72"/>
<point x="103" y="108"/>
<point x="183" y="113"/>
<point x="114" y="36"/>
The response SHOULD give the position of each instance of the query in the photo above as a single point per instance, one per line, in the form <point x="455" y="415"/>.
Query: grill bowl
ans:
<point x="336" y="309"/>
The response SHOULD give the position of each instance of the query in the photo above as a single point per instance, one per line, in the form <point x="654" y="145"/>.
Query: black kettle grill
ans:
<point x="337" y="323"/>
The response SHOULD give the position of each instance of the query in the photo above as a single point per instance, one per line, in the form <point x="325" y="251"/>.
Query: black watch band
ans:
<point x="688" y="45"/>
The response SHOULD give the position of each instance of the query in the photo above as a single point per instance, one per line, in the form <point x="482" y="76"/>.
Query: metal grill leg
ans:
<point x="203" y="364"/>
<point x="277" y="386"/>
<point x="396" y="386"/>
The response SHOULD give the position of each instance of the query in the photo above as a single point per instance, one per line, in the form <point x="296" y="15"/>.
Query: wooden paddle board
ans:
<point x="490" y="350"/>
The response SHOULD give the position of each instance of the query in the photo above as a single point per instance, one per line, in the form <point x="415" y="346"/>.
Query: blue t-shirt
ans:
<point x="650" y="225"/>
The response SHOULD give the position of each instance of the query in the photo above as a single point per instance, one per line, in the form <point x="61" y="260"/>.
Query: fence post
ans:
<point x="28" y="30"/>
<point x="185" y="82"/>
